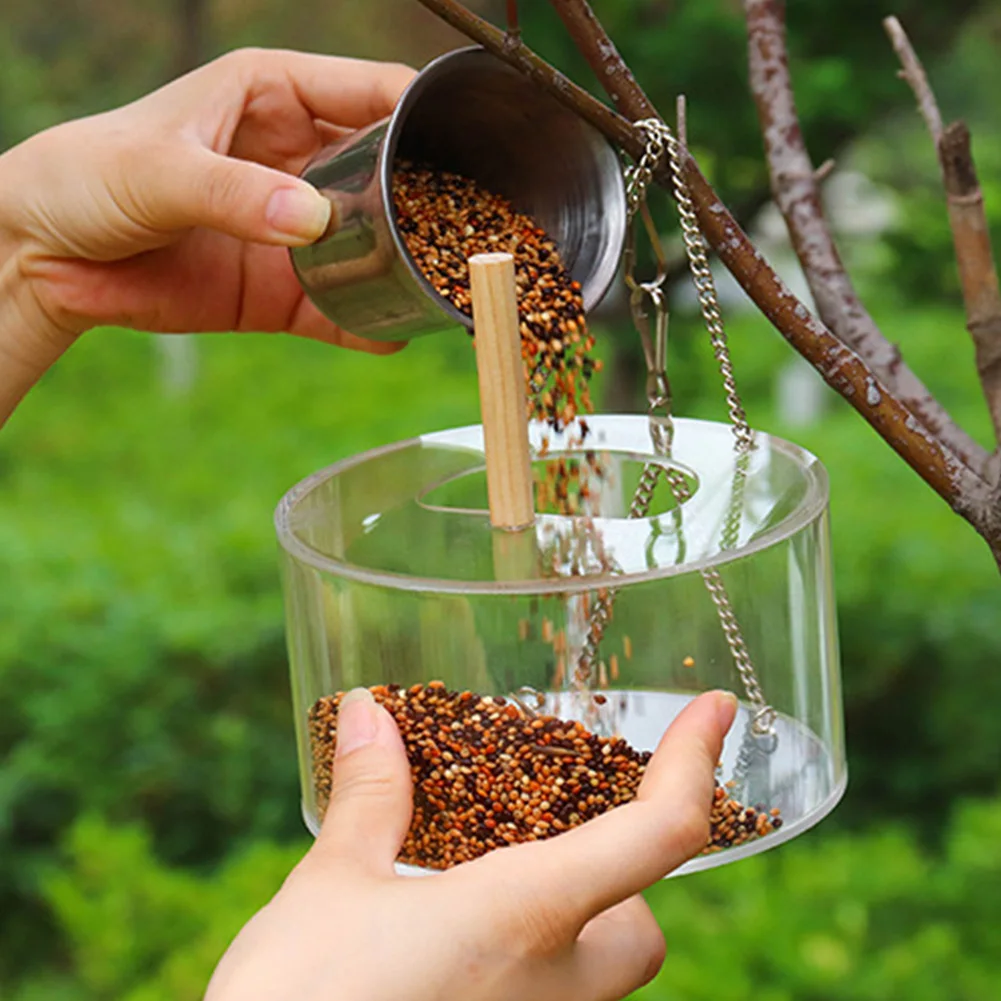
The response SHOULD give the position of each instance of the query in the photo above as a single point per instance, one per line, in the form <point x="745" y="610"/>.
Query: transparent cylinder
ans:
<point x="485" y="644"/>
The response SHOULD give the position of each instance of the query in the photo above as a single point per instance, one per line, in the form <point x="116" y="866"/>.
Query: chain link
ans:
<point x="660" y="139"/>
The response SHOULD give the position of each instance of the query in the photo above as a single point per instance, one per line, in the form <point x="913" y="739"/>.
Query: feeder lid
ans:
<point x="413" y="515"/>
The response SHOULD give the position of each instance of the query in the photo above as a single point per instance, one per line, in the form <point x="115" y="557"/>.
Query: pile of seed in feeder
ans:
<point x="445" y="219"/>
<point x="487" y="773"/>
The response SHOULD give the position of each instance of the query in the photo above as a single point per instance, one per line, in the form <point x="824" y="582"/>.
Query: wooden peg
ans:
<point x="503" y="404"/>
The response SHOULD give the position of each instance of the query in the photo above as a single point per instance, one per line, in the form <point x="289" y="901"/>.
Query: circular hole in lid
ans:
<point x="608" y="494"/>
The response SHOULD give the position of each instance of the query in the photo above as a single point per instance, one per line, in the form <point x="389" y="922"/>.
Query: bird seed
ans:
<point x="487" y="773"/>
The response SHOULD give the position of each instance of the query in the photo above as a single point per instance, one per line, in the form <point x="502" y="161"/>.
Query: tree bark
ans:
<point x="975" y="260"/>
<point x="970" y="232"/>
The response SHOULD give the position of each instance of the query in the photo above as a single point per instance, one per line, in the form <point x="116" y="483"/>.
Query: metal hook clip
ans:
<point x="654" y="347"/>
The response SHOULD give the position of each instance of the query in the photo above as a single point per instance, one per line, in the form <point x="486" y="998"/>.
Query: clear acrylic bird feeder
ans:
<point x="698" y="558"/>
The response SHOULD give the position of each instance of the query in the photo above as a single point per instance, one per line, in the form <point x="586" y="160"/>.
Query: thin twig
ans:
<point x="797" y="195"/>
<point x="513" y="25"/>
<point x="968" y="221"/>
<point x="992" y="529"/>
<point x="914" y="73"/>
<point x="975" y="260"/>
<point x="946" y="472"/>
<point x="824" y="171"/>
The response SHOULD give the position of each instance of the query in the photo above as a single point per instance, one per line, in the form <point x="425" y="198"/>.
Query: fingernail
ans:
<point x="357" y="721"/>
<point x="300" y="214"/>
<point x="726" y="708"/>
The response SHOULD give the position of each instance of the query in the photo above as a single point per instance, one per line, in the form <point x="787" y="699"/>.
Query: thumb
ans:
<point x="629" y="848"/>
<point x="371" y="799"/>
<point x="243" y="199"/>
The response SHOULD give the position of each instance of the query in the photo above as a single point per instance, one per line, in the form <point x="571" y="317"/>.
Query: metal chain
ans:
<point x="660" y="139"/>
<point x="658" y="387"/>
<point x="752" y="751"/>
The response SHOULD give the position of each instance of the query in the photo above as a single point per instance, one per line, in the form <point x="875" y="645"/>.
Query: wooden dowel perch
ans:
<point x="502" y="390"/>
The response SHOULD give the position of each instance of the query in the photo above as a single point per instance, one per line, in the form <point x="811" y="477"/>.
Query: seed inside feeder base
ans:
<point x="488" y="774"/>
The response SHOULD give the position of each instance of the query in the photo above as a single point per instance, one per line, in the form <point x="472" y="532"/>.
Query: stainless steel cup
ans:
<point x="470" y="113"/>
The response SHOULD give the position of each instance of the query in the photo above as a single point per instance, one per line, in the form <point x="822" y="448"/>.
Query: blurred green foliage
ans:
<point x="65" y="58"/>
<point x="859" y="918"/>
<point x="140" y="930"/>
<point x="142" y="662"/>
<point x="862" y="918"/>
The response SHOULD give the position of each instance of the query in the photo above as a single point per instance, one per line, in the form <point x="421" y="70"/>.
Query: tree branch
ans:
<point x="848" y="374"/>
<point x="914" y="73"/>
<point x="603" y="57"/>
<point x="513" y="25"/>
<point x="975" y="260"/>
<point x="841" y="368"/>
<point x="824" y="171"/>
<point x="968" y="221"/>
<point x="515" y="53"/>
<point x="797" y="195"/>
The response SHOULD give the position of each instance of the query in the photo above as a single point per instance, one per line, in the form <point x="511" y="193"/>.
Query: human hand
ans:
<point x="552" y="920"/>
<point x="171" y="214"/>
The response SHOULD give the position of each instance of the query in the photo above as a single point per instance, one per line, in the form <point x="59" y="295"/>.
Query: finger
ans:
<point x="348" y="92"/>
<point x="237" y="197"/>
<point x="617" y="952"/>
<point x="206" y="289"/>
<point x="615" y="856"/>
<point x="307" y="321"/>
<point x="371" y="798"/>
<point x="328" y="133"/>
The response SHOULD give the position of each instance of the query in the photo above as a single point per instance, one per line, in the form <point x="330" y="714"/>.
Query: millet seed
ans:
<point x="445" y="219"/>
<point x="486" y="774"/>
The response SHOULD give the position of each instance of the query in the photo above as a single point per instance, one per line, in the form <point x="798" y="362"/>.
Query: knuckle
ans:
<point x="536" y="928"/>
<point x="132" y="187"/>
<point x="361" y="786"/>
<point x="240" y="66"/>
<point x="540" y="931"/>
<point x="400" y="69"/>
<point x="241" y="58"/>
<point x="223" y="185"/>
